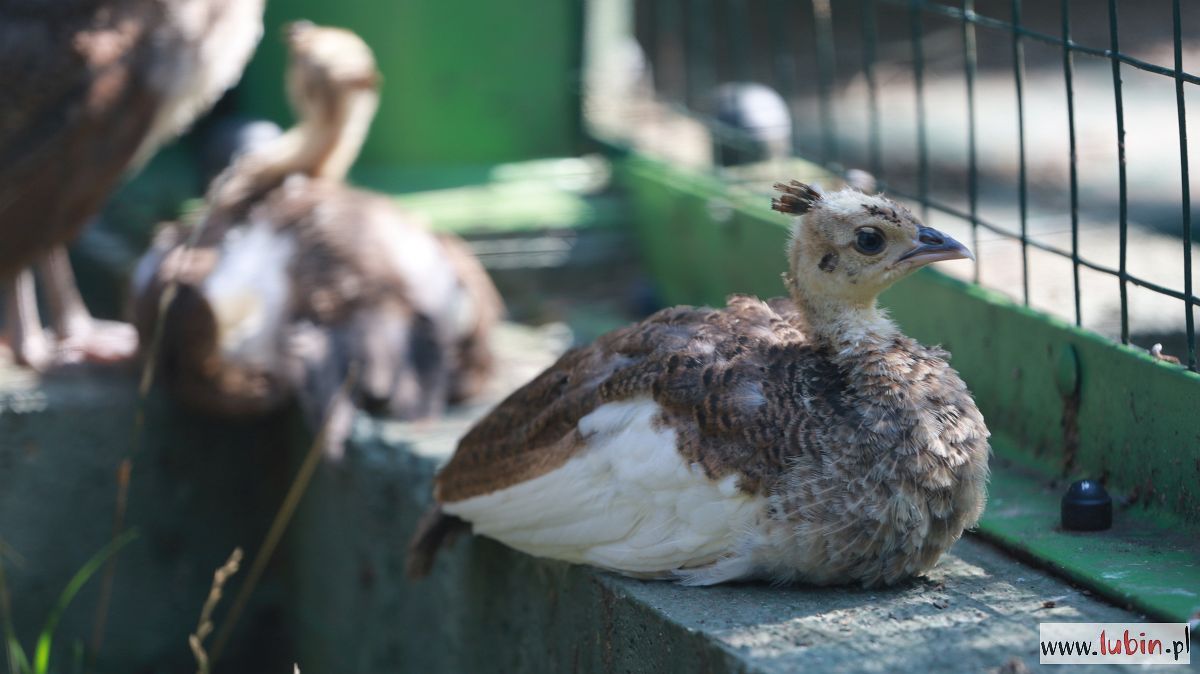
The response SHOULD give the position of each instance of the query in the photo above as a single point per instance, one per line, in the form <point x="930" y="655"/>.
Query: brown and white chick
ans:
<point x="296" y="279"/>
<point x="90" y="89"/>
<point x="801" y="439"/>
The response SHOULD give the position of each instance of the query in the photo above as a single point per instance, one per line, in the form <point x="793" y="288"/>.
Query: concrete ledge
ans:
<point x="489" y="609"/>
<point x="336" y="600"/>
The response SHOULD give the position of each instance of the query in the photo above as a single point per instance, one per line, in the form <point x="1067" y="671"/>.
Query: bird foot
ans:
<point x="34" y="351"/>
<point x="87" y="342"/>
<point x="95" y="341"/>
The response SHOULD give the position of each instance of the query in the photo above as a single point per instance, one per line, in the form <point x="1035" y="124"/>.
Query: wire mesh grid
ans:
<point x="1043" y="131"/>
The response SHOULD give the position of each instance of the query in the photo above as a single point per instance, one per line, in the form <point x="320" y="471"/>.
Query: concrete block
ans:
<point x="197" y="490"/>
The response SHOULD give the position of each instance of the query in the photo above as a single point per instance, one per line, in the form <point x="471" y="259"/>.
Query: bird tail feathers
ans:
<point x="435" y="529"/>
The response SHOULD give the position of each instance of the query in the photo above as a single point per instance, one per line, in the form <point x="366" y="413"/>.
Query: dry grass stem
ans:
<point x="125" y="468"/>
<point x="205" y="626"/>
<point x="284" y="515"/>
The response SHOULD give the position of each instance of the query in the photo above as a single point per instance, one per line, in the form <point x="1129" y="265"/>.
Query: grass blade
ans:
<point x="17" y="662"/>
<point x="41" y="655"/>
<point x="14" y="654"/>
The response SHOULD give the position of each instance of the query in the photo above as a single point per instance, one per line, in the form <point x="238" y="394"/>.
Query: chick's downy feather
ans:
<point x="798" y="439"/>
<point x="726" y="439"/>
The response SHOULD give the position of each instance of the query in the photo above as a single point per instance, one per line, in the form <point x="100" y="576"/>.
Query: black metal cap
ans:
<point x="1086" y="507"/>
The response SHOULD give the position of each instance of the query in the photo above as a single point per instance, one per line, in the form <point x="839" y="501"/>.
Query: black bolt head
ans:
<point x="1086" y="507"/>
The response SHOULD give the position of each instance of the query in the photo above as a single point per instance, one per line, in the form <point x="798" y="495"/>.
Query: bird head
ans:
<point x="849" y="246"/>
<point x="325" y="66"/>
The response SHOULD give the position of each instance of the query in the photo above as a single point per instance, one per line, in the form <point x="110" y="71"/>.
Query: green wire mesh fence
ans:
<point x="1053" y="135"/>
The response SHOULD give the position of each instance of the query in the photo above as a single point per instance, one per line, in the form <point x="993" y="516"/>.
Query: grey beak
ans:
<point x="933" y="246"/>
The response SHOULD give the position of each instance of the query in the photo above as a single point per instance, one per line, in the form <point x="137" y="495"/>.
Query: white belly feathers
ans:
<point x="250" y="293"/>
<point x="627" y="501"/>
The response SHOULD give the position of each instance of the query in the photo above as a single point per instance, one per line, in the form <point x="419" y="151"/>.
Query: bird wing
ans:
<point x="651" y="450"/>
<point x="76" y="109"/>
<point x="628" y="501"/>
<point x="380" y="281"/>
<point x="717" y="376"/>
<point x="478" y="309"/>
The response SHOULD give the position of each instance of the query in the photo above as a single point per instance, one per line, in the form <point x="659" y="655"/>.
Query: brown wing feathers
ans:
<point x="86" y="108"/>
<point x="710" y="371"/>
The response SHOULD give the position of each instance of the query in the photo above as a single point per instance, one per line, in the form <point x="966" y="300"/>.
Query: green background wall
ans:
<point x="465" y="82"/>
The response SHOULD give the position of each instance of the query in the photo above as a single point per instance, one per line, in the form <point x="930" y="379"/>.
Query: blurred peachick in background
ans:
<point x="295" y="280"/>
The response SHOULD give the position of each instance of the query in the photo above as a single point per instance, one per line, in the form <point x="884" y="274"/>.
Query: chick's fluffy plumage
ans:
<point x="864" y="450"/>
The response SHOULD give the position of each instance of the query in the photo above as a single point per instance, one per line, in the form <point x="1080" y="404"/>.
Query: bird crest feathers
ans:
<point x="795" y="198"/>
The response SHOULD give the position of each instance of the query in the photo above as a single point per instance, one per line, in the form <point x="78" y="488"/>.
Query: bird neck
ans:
<point x="844" y="325"/>
<point x="327" y="139"/>
<point x="323" y="144"/>
<point x="332" y="139"/>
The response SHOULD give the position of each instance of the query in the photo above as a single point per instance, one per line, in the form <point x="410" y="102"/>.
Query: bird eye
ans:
<point x="869" y="241"/>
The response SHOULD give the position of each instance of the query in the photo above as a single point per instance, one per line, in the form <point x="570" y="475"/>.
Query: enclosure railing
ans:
<point x="828" y="60"/>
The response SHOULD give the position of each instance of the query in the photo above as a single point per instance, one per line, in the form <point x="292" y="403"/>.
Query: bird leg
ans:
<point x="22" y="325"/>
<point x="80" y="336"/>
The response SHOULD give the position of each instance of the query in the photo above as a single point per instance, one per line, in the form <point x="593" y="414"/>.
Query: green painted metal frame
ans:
<point x="1062" y="402"/>
<point x="1148" y="561"/>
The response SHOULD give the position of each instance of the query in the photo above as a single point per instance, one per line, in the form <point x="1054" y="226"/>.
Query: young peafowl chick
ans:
<point x="801" y="439"/>
<point x="296" y="282"/>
